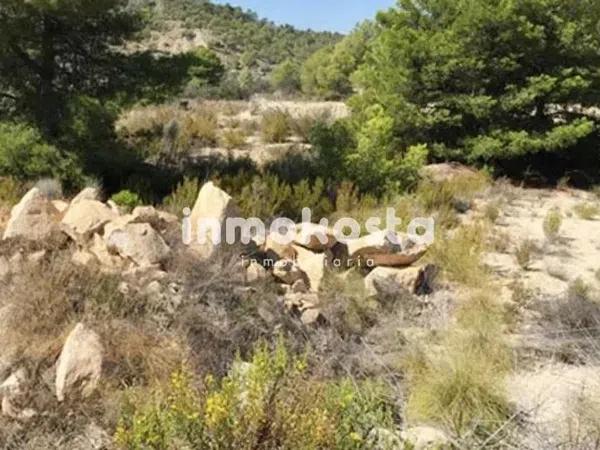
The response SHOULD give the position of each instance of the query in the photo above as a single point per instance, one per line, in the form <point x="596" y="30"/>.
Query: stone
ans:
<point x="299" y="287"/>
<point x="426" y="438"/>
<point x="33" y="218"/>
<point x="146" y="214"/>
<point x="314" y="237"/>
<point x="287" y="271"/>
<point x="275" y="251"/>
<point x="379" y="249"/>
<point x="114" y="207"/>
<point x="37" y="257"/>
<point x="89" y="193"/>
<point x="138" y="242"/>
<point x="255" y="272"/>
<point x="60" y="205"/>
<point x="82" y="258"/>
<point x="12" y="392"/>
<point x="310" y="316"/>
<point x="313" y="265"/>
<point x="85" y="218"/>
<point x="415" y="280"/>
<point x="79" y="365"/>
<point x="100" y="250"/>
<point x="216" y="206"/>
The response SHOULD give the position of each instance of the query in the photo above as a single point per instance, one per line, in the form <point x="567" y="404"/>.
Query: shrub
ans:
<point x="270" y="402"/>
<point x="492" y="212"/>
<point x="587" y="211"/>
<point x="275" y="126"/>
<point x="523" y="253"/>
<point x="303" y="125"/>
<point x="25" y="156"/>
<point x="184" y="196"/>
<point x="461" y="386"/>
<point x="11" y="191"/>
<point x="233" y="139"/>
<point x="552" y="224"/>
<point x="200" y="129"/>
<point x="459" y="256"/>
<point x="127" y="199"/>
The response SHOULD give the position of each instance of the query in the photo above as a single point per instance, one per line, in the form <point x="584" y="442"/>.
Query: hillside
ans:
<point x="241" y="35"/>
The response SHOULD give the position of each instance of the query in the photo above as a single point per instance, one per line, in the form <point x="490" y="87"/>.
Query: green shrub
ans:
<point x="524" y="253"/>
<point x="270" y="402"/>
<point x="303" y="125"/>
<point x="11" y="191"/>
<point x="275" y="126"/>
<point x="552" y="223"/>
<point x="127" y="199"/>
<point x="25" y="156"/>
<point x="184" y="196"/>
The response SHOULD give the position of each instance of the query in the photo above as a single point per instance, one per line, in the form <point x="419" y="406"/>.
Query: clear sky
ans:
<point x="322" y="15"/>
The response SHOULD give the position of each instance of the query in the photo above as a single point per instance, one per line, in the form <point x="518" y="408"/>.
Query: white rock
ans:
<point x="405" y="278"/>
<point x="11" y="392"/>
<point x="60" y="205"/>
<point x="313" y="265"/>
<point x="215" y="205"/>
<point x="138" y="242"/>
<point x="255" y="272"/>
<point x="82" y="258"/>
<point x="79" y="366"/>
<point x="88" y="193"/>
<point x="310" y="316"/>
<point x="86" y="217"/>
<point x="33" y="218"/>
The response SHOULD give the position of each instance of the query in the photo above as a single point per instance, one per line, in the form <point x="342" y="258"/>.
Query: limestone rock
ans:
<point x="79" y="366"/>
<point x="255" y="272"/>
<point x="60" y="205"/>
<point x="100" y="250"/>
<point x="33" y="218"/>
<point x="138" y="242"/>
<point x="86" y="217"/>
<point x="313" y="265"/>
<point x="275" y="251"/>
<point x="385" y="248"/>
<point x="215" y="205"/>
<point x="314" y="237"/>
<point x="82" y="258"/>
<point x="415" y="280"/>
<point x="310" y="316"/>
<point x="12" y="392"/>
<point x="89" y="193"/>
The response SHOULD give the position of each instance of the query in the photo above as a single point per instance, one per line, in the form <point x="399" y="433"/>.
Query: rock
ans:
<point x="275" y="251"/>
<point x="299" y="287"/>
<point x="12" y="392"/>
<point x="415" y="280"/>
<point x="82" y="258"/>
<point x="86" y="217"/>
<point x="146" y="214"/>
<point x="100" y="250"/>
<point x="314" y="237"/>
<point x="138" y="242"/>
<point x="37" y="257"/>
<point x="79" y="366"/>
<point x="379" y="249"/>
<point x="310" y="316"/>
<point x="338" y="257"/>
<point x="313" y="265"/>
<point x="255" y="272"/>
<point x="33" y="218"/>
<point x="89" y="193"/>
<point x="287" y="271"/>
<point x="212" y="204"/>
<point x="440" y="173"/>
<point x="60" y="205"/>
<point x="384" y="439"/>
<point x="167" y="218"/>
<point x="426" y="438"/>
<point x="114" y="207"/>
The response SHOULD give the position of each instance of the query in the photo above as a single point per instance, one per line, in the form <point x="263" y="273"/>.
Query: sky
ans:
<point x="321" y="15"/>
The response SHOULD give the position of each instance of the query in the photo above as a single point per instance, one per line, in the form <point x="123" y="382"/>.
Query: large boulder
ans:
<point x="86" y="217"/>
<point x="139" y="242"/>
<point x="214" y="205"/>
<point x="33" y="218"/>
<point x="385" y="248"/>
<point x="314" y="237"/>
<point x="79" y="366"/>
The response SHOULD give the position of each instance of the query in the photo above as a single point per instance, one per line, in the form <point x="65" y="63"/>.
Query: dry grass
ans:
<point x="233" y="139"/>
<point x="552" y="224"/>
<point x="524" y="253"/>
<point x="275" y="126"/>
<point x="587" y="211"/>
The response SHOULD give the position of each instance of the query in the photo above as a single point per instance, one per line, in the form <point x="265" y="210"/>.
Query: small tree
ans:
<point x="286" y="77"/>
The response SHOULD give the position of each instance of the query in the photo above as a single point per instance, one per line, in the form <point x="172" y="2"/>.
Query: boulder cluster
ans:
<point x="135" y="243"/>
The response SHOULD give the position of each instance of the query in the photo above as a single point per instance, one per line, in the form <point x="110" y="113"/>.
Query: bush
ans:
<point x="11" y="191"/>
<point x="524" y="253"/>
<point x="200" y="129"/>
<point x="275" y="126"/>
<point x="25" y="156"/>
<point x="184" y="196"/>
<point x="552" y="223"/>
<point x="270" y="402"/>
<point x="127" y="199"/>
<point x="233" y="139"/>
<point x="303" y="125"/>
